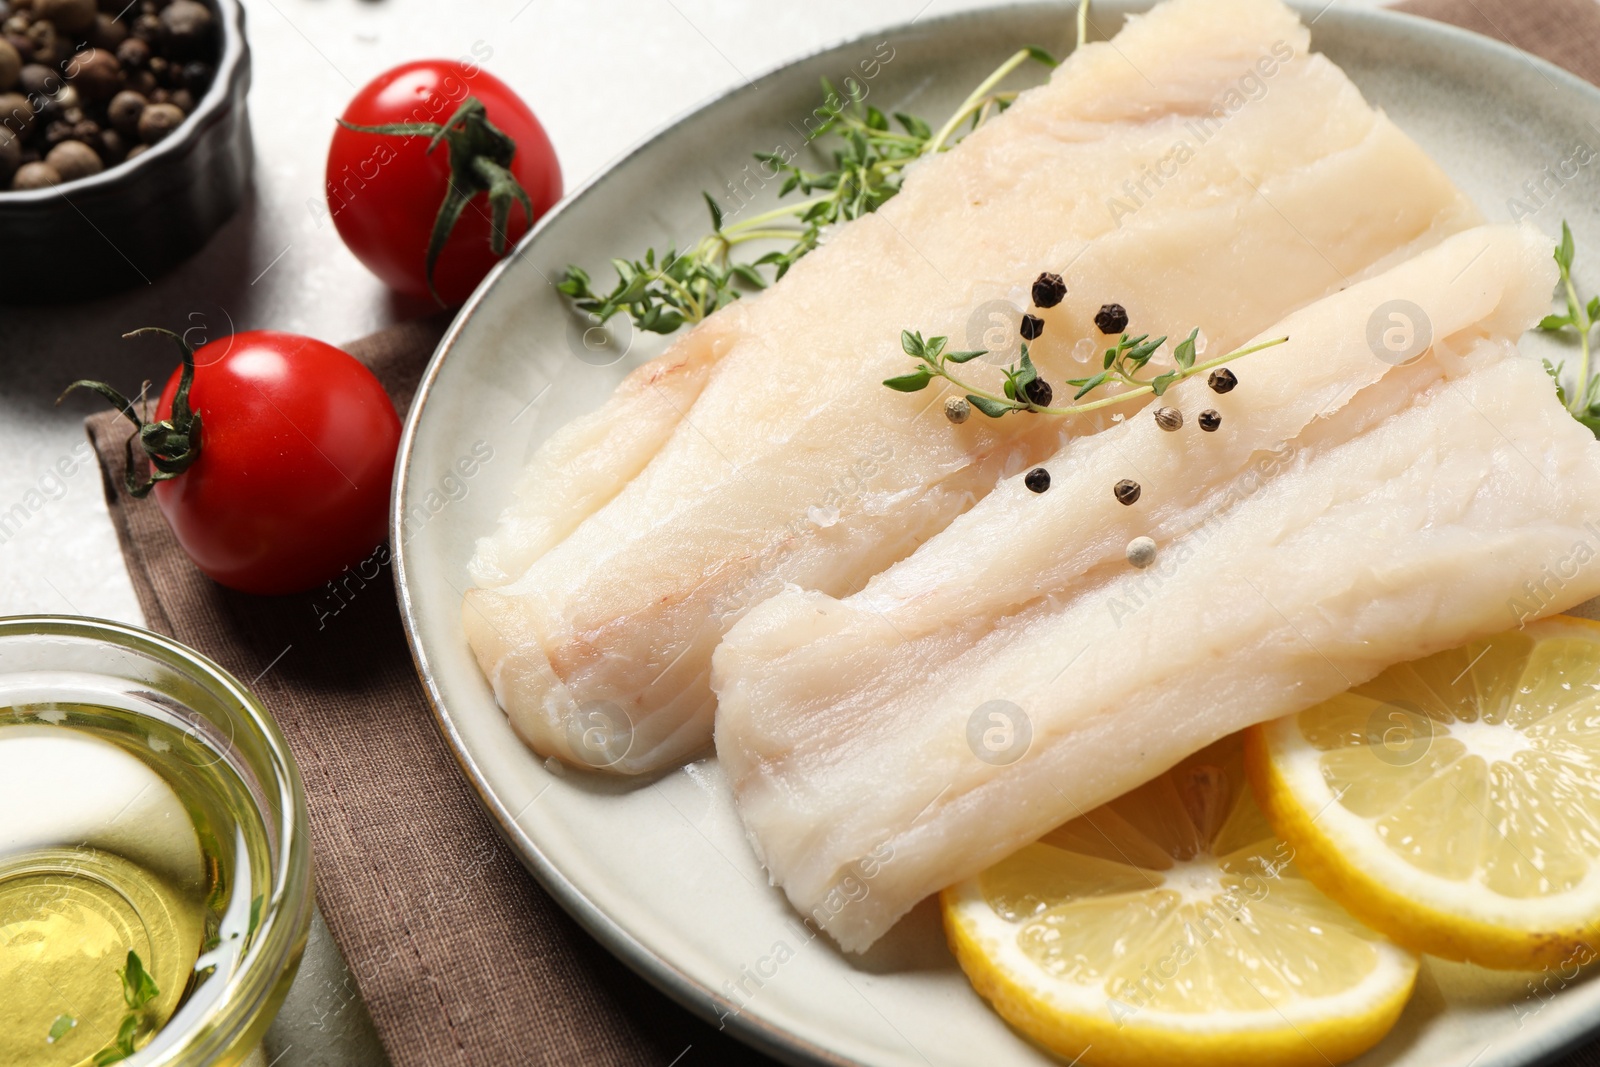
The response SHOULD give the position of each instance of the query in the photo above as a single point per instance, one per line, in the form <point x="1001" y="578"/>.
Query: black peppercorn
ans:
<point x="1048" y="290"/>
<point x="1039" y="392"/>
<point x="1169" y="419"/>
<point x="1222" y="380"/>
<point x="1210" y="419"/>
<point x="1037" y="480"/>
<point x="1126" y="491"/>
<point x="1032" y="326"/>
<point x="1111" y="318"/>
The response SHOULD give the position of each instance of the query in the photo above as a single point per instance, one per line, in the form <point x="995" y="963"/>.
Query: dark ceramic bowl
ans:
<point x="129" y="223"/>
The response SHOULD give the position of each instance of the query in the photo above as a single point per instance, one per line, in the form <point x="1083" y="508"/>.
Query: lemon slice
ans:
<point x="1454" y="802"/>
<point x="1169" y="926"/>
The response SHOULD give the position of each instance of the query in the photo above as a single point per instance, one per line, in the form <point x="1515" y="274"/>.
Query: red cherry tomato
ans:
<point x="297" y="448"/>
<point x="384" y="191"/>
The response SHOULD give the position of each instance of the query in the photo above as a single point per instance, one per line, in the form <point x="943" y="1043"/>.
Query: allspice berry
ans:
<point x="1048" y="290"/>
<point x="124" y="111"/>
<point x="36" y="79"/>
<point x="133" y="53"/>
<point x="187" y="24"/>
<point x="97" y="76"/>
<point x="108" y="33"/>
<point x="73" y="160"/>
<point x="10" y="156"/>
<point x="16" y="114"/>
<point x="36" y="176"/>
<point x="69" y="16"/>
<point x="10" y="65"/>
<point x="158" y="121"/>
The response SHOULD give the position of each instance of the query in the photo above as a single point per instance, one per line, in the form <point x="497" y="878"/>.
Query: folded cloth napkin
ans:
<point x="459" y="955"/>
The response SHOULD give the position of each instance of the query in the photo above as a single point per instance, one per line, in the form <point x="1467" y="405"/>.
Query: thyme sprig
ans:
<point x="1584" y="400"/>
<point x="663" y="291"/>
<point x="1121" y="364"/>
<point x="138" y="990"/>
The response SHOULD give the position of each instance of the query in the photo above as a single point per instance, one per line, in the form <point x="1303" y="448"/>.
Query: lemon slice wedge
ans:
<point x="1170" y="926"/>
<point x="1454" y="802"/>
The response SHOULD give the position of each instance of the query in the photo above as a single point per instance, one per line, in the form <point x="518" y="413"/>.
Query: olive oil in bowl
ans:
<point x="118" y="838"/>
<point x="142" y="869"/>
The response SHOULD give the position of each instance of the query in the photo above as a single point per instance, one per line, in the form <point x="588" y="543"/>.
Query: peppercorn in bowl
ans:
<point x="124" y="138"/>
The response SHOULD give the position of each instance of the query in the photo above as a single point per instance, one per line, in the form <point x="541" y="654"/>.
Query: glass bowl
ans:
<point x="87" y="707"/>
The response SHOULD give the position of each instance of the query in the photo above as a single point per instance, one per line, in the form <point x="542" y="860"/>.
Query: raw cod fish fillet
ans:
<point x="1203" y="170"/>
<point x="1348" y="514"/>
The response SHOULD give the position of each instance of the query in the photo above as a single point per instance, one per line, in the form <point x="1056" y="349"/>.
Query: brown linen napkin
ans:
<point x="460" y="956"/>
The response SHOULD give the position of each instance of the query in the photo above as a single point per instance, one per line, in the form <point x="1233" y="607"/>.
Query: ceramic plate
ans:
<point x="658" y="870"/>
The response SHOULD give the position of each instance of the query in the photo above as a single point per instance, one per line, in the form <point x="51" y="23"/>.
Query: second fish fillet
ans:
<point x="1017" y="671"/>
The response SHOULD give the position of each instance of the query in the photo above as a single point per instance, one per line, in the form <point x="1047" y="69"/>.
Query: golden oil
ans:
<point x="120" y="833"/>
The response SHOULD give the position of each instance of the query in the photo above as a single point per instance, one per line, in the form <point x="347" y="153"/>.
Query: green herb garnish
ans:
<point x="60" y="1028"/>
<point x="138" y="990"/>
<point x="663" y="291"/>
<point x="1584" y="400"/>
<point x="1120" y="364"/>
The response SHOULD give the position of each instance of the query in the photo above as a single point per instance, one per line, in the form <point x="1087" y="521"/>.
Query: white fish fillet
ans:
<point x="1347" y="515"/>
<point x="761" y="449"/>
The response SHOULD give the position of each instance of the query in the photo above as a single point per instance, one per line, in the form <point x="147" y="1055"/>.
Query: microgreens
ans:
<point x="1120" y="364"/>
<point x="663" y="291"/>
<point x="1584" y="401"/>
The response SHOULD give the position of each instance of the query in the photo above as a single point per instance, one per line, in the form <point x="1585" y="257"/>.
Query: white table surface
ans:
<point x="600" y="75"/>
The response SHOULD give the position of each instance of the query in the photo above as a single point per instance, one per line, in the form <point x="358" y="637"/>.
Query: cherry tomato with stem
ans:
<point x="436" y="169"/>
<point x="271" y="457"/>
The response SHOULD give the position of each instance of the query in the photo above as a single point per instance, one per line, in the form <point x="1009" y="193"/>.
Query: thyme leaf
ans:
<point x="1582" y="398"/>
